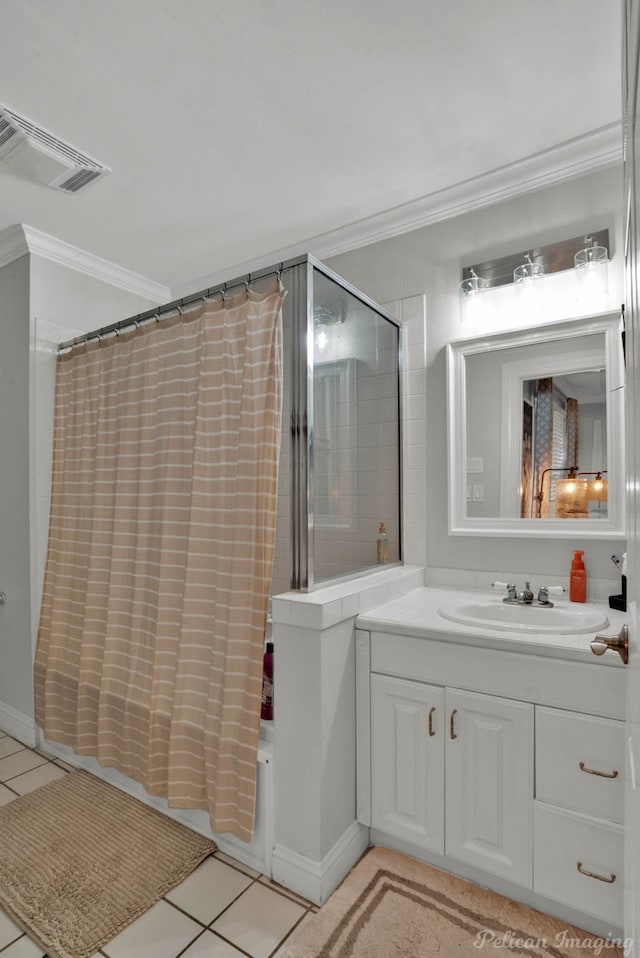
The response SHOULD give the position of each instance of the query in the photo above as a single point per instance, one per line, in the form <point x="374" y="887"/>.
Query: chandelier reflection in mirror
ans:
<point x="575" y="496"/>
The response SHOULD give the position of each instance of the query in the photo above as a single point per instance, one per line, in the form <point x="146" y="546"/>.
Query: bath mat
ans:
<point x="80" y="860"/>
<point x="391" y="906"/>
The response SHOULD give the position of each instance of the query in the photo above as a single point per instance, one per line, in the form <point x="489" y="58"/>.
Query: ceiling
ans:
<point x="239" y="129"/>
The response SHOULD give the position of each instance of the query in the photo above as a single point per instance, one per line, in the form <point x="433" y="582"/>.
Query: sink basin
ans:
<point x="563" y="620"/>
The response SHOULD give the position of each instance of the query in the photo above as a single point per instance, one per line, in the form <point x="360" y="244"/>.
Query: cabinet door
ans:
<point x="407" y="761"/>
<point x="489" y="783"/>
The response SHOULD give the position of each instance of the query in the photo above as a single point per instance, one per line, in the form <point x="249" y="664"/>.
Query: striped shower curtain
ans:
<point x="161" y="542"/>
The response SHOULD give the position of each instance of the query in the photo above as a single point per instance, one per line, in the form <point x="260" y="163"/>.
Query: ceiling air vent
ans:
<point x="33" y="152"/>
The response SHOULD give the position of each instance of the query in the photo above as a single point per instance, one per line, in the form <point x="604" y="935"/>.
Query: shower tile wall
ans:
<point x="361" y="476"/>
<point x="375" y="484"/>
<point x="411" y="311"/>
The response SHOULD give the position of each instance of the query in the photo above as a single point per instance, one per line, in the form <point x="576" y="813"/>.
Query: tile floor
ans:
<point x="222" y="910"/>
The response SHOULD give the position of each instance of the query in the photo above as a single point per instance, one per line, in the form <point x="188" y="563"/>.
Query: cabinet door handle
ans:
<point x="452" y="724"/>
<point x="431" y="714"/>
<point x="583" y="871"/>
<point x="592" y="771"/>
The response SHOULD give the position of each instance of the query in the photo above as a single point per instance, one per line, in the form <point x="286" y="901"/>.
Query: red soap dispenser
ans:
<point x="578" y="578"/>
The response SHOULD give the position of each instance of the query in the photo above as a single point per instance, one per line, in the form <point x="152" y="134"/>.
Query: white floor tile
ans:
<point x="6" y="795"/>
<point x="9" y="931"/>
<point x="284" y="891"/>
<point x="284" y="947"/>
<point x="209" y="945"/>
<point x="19" y="762"/>
<point x="23" y="948"/>
<point x="41" y="775"/>
<point x="9" y="745"/>
<point x="258" y="921"/>
<point x="162" y="932"/>
<point x="243" y="868"/>
<point x="209" y="890"/>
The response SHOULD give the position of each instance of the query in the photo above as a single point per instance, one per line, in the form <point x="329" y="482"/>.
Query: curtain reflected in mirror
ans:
<point x="564" y="447"/>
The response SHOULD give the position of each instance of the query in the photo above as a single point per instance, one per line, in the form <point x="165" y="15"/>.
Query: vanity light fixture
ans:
<point x="528" y="272"/>
<point x="592" y="256"/>
<point x="472" y="285"/>
<point x="591" y="265"/>
<point x="562" y="256"/>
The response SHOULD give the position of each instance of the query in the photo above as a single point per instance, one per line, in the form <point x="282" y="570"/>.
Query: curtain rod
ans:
<point x="179" y="304"/>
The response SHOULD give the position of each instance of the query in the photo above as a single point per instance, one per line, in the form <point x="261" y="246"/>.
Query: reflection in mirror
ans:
<point x="564" y="447"/>
<point x="535" y="431"/>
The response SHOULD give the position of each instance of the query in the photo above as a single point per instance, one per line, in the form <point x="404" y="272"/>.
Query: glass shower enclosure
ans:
<point x="339" y="491"/>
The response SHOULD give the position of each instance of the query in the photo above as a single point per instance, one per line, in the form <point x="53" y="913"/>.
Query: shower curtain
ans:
<point x="161" y="542"/>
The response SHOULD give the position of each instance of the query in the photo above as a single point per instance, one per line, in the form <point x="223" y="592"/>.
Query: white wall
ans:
<point x="429" y="261"/>
<point x="63" y="303"/>
<point x="42" y="303"/>
<point x="16" y="683"/>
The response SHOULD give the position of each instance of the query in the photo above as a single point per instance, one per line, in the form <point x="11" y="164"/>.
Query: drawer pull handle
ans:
<point x="583" y="871"/>
<point x="452" y="724"/>
<point x="431" y="714"/>
<point x="592" y="771"/>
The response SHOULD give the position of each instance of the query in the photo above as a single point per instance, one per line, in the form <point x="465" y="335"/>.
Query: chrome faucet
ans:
<point x="526" y="596"/>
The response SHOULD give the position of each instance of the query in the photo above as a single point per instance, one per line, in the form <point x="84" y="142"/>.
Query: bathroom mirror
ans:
<point x="536" y="431"/>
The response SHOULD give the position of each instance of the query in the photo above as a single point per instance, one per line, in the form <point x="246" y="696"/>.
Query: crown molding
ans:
<point x="594" y="151"/>
<point x="20" y="239"/>
<point x="597" y="150"/>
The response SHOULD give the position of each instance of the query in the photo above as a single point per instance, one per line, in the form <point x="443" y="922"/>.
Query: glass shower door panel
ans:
<point x="355" y="434"/>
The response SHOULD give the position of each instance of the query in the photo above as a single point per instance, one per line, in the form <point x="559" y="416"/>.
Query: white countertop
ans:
<point x="416" y="614"/>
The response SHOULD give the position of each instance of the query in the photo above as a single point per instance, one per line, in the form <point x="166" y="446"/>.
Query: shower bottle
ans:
<point x="383" y="545"/>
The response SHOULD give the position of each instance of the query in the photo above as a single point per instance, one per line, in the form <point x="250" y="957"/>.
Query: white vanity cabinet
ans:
<point x="578" y="811"/>
<point x="431" y="744"/>
<point x="491" y="764"/>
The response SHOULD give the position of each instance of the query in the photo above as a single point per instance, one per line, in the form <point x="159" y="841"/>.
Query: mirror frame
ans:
<point x="458" y="351"/>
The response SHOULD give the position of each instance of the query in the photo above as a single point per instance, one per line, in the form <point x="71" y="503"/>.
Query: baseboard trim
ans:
<point x="315" y="880"/>
<point x="17" y="725"/>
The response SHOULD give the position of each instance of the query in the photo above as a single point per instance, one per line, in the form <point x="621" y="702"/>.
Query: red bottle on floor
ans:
<point x="266" y="711"/>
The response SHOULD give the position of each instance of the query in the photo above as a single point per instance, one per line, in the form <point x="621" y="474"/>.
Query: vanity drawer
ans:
<point x="580" y="762"/>
<point x="561" y="840"/>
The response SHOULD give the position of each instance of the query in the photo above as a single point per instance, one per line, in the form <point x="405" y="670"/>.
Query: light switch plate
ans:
<point x="475" y="464"/>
